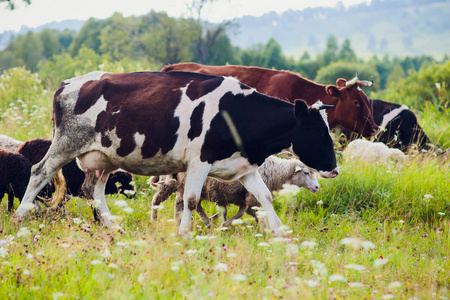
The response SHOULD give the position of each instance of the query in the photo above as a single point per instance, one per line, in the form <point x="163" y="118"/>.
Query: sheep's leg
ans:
<point x="195" y="177"/>
<point x="161" y="195"/>
<point x="178" y="206"/>
<point x="201" y="212"/>
<point x="239" y="214"/>
<point x="255" y="185"/>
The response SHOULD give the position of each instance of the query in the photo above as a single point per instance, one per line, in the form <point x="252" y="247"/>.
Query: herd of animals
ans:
<point x="202" y="132"/>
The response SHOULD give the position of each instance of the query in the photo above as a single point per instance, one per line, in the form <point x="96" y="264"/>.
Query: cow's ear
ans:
<point x="301" y="109"/>
<point x="332" y="90"/>
<point x="340" y="82"/>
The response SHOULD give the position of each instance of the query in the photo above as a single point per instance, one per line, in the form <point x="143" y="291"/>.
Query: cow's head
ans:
<point x="312" y="141"/>
<point x="352" y="106"/>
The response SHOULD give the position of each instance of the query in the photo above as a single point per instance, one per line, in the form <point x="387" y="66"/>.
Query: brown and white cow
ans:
<point x="164" y="123"/>
<point x="351" y="110"/>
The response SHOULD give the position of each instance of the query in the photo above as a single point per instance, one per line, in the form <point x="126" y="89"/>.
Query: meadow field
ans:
<point x="377" y="231"/>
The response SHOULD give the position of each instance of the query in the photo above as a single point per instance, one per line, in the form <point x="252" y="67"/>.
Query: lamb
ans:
<point x="15" y="170"/>
<point x="9" y="143"/>
<point x="36" y="149"/>
<point x="274" y="171"/>
<point x="371" y="152"/>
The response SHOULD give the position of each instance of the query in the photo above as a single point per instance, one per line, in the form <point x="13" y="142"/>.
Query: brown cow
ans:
<point x="351" y="109"/>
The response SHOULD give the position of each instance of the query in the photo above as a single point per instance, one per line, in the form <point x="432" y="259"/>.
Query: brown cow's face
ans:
<point x="352" y="108"/>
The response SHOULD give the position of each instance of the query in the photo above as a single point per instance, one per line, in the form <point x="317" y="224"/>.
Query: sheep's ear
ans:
<point x="298" y="169"/>
<point x="301" y="109"/>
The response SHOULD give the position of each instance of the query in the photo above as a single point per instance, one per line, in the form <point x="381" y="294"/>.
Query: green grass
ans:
<point x="396" y="216"/>
<point x="57" y="257"/>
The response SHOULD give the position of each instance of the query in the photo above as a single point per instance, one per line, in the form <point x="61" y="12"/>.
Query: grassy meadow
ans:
<point x="377" y="231"/>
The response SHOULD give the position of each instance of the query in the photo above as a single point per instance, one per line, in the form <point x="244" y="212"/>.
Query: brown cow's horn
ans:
<point x="353" y="81"/>
<point x="367" y="83"/>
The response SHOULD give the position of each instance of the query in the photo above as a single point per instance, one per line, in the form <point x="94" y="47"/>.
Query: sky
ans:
<point x="45" y="11"/>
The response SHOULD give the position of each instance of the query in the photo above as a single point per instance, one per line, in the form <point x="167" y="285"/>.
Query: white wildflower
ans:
<point x="355" y="284"/>
<point x="40" y="253"/>
<point x="380" y="262"/>
<point x="441" y="213"/>
<point x="26" y="272"/>
<point x="320" y="202"/>
<point x="170" y="220"/>
<point x="141" y="278"/>
<point x="427" y="197"/>
<point x="202" y="237"/>
<point x="212" y="237"/>
<point x="308" y="245"/>
<point x="263" y="244"/>
<point x="76" y="220"/>
<point x="289" y="190"/>
<point x="401" y="221"/>
<point x="367" y="245"/>
<point x="128" y="210"/>
<point x="394" y="284"/>
<point x="94" y="203"/>
<point x="355" y="267"/>
<point x="29" y="256"/>
<point x="221" y="267"/>
<point x="292" y="250"/>
<point x="319" y="268"/>
<point x="222" y="228"/>
<point x="258" y="235"/>
<point x="178" y="244"/>
<point x="3" y="252"/>
<point x="124" y="244"/>
<point x="57" y="295"/>
<point x="337" y="277"/>
<point x="129" y="192"/>
<point x="231" y="254"/>
<point x="113" y="266"/>
<point x="387" y="296"/>
<point x="261" y="214"/>
<point x="192" y="251"/>
<point x="64" y="245"/>
<point x="351" y="242"/>
<point x="41" y="226"/>
<point x="175" y="268"/>
<point x="237" y="222"/>
<point x="121" y="203"/>
<point x="106" y="253"/>
<point x="239" y="277"/>
<point x="312" y="283"/>
<point x="23" y="231"/>
<point x="96" y="262"/>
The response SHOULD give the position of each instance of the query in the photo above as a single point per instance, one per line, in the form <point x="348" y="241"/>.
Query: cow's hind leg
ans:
<point x="195" y="177"/>
<point x="255" y="185"/>
<point x="41" y="173"/>
<point x="101" y="210"/>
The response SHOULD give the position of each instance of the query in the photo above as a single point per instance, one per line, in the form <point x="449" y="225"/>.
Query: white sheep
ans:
<point x="370" y="152"/>
<point x="274" y="171"/>
<point x="9" y="143"/>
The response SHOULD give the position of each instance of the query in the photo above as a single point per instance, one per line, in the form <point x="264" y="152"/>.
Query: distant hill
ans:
<point x="396" y="27"/>
<point x="7" y="36"/>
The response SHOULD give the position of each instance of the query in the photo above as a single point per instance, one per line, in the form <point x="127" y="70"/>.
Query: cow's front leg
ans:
<point x="195" y="177"/>
<point x="255" y="185"/>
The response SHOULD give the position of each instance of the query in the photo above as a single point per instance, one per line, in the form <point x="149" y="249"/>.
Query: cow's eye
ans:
<point x="356" y="103"/>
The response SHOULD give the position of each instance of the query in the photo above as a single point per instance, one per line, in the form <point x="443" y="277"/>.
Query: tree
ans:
<point x="209" y="32"/>
<point x="273" y="56"/>
<point x="347" y="53"/>
<point x="396" y="75"/>
<point x="331" y="52"/>
<point x="11" y="5"/>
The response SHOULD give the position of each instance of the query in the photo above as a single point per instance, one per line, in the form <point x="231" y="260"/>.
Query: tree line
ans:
<point x="152" y="40"/>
